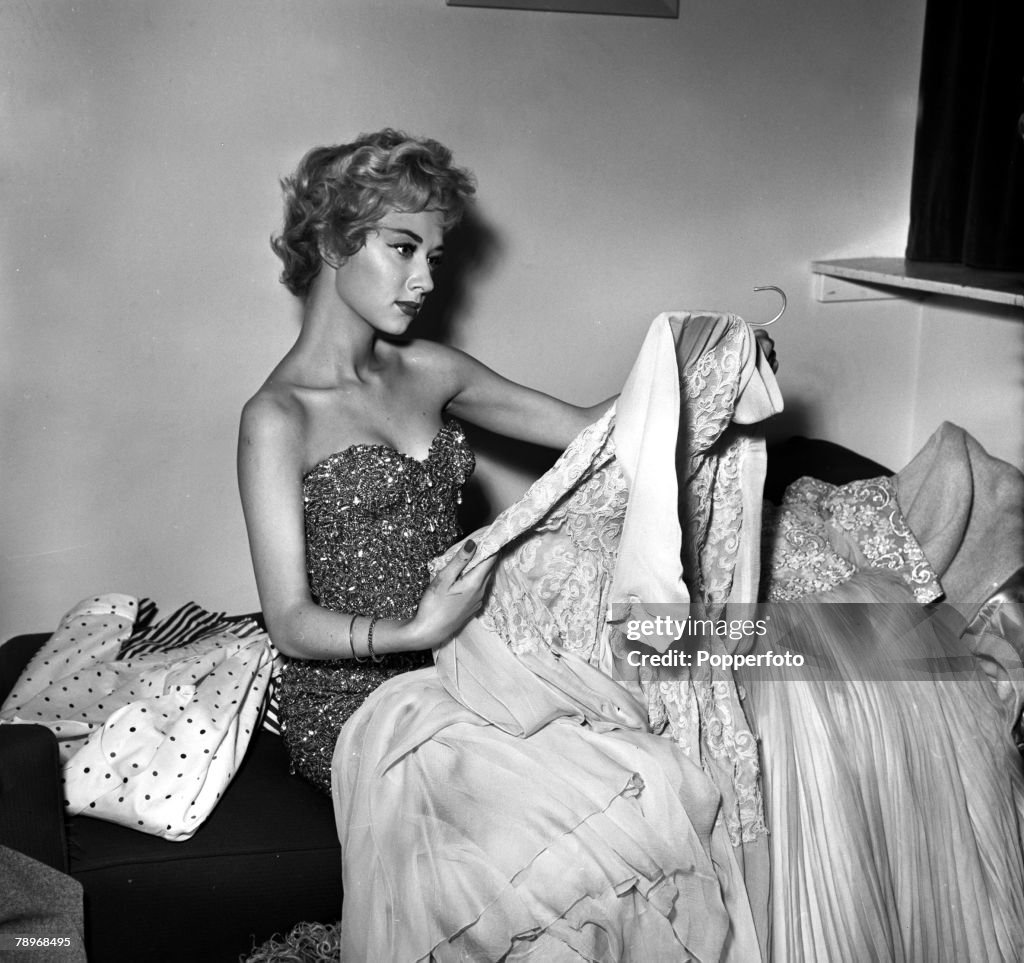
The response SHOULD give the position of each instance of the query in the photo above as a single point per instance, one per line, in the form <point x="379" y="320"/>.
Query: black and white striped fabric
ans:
<point x="192" y="623"/>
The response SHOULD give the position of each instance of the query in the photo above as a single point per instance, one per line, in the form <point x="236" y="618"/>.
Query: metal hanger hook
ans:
<point x="782" y="310"/>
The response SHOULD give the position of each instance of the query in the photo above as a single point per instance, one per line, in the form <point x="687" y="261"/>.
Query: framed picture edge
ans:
<point x="630" y="8"/>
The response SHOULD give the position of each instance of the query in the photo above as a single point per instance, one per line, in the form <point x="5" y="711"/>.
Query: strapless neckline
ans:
<point x="375" y="517"/>
<point x="447" y="426"/>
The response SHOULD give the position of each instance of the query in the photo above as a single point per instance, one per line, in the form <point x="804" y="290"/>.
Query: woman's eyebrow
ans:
<point x="402" y="230"/>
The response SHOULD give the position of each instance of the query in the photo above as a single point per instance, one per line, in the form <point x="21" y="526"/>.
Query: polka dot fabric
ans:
<point x="151" y="741"/>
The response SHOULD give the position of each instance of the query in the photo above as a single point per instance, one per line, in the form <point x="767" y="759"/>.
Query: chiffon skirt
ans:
<point x="894" y="800"/>
<point x="462" y="841"/>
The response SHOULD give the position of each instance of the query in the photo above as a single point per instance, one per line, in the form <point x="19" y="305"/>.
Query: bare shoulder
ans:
<point x="430" y="354"/>
<point x="271" y="418"/>
<point x="438" y="365"/>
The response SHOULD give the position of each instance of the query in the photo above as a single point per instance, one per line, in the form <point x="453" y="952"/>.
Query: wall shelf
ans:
<point x="868" y="278"/>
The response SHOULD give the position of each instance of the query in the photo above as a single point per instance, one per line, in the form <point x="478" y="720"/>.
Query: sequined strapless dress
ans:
<point x="375" y="517"/>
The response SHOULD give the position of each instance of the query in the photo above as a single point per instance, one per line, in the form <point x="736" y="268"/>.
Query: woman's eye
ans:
<point x="405" y="250"/>
<point x="435" y="261"/>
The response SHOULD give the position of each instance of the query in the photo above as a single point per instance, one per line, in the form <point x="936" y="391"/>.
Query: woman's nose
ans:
<point x="421" y="280"/>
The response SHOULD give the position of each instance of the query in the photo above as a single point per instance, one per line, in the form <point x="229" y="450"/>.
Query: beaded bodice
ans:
<point x="375" y="517"/>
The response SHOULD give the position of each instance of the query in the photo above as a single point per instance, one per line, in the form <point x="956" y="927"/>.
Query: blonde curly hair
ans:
<point x="337" y="195"/>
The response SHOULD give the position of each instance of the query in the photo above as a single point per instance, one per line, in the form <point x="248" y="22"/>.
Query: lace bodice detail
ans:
<point x="822" y="534"/>
<point x="375" y="517"/>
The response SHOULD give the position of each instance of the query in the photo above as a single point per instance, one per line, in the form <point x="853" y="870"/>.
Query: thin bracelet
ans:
<point x="369" y="641"/>
<point x="351" y="639"/>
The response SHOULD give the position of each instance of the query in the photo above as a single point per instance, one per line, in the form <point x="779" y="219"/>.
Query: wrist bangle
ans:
<point x="351" y="639"/>
<point x="369" y="641"/>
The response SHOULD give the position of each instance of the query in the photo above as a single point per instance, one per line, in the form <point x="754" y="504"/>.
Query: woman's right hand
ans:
<point x="450" y="600"/>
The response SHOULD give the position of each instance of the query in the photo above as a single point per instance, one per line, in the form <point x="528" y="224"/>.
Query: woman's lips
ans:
<point x="408" y="307"/>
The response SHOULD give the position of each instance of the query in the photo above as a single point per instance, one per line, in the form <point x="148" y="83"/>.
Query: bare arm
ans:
<point x="485" y="398"/>
<point x="270" y="484"/>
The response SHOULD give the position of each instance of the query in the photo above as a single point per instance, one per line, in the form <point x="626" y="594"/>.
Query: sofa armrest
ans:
<point x="798" y="456"/>
<point x="31" y="798"/>
<point x="15" y="654"/>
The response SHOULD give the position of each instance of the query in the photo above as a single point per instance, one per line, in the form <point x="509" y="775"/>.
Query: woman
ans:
<point x="364" y="233"/>
<point x="350" y="468"/>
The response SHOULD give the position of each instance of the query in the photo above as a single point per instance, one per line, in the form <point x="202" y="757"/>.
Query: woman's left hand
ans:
<point x="764" y="339"/>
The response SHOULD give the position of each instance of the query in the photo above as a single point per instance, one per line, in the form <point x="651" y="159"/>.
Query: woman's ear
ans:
<point x="328" y="256"/>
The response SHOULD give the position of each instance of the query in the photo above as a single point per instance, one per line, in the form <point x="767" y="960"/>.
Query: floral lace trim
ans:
<point x="801" y="539"/>
<point x="558" y="595"/>
<point x="712" y="500"/>
<point x="553" y="591"/>
<point x="589" y="451"/>
<point x="704" y="716"/>
<point x="798" y="552"/>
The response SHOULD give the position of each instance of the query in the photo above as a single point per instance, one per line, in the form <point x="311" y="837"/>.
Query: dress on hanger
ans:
<point x="517" y="783"/>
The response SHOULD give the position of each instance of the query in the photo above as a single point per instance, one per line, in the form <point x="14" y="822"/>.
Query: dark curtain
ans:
<point x="967" y="194"/>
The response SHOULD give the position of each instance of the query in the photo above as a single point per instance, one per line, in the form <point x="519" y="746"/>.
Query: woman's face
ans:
<point x="385" y="281"/>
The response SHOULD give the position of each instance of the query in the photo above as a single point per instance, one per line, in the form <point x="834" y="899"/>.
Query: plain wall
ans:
<point x="626" y="166"/>
<point x="971" y="370"/>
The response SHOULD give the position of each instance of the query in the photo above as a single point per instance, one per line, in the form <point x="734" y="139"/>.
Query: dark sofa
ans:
<point x="266" y="858"/>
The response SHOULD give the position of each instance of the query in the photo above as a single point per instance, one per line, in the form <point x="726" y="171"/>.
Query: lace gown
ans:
<point x="510" y="802"/>
<point x="893" y="787"/>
